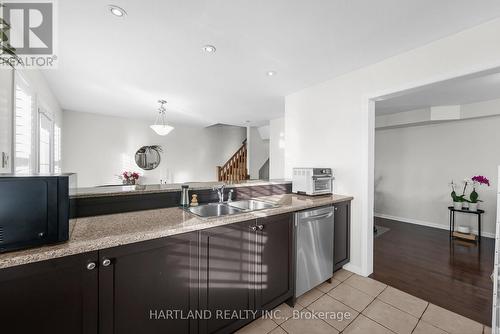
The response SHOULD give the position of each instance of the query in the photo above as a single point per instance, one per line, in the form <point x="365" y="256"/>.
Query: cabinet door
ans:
<point x="52" y="297"/>
<point x="275" y="268"/>
<point x="149" y="287"/>
<point x="227" y="267"/>
<point x="342" y="234"/>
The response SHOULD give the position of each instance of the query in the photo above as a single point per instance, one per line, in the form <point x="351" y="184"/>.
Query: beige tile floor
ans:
<point x="353" y="304"/>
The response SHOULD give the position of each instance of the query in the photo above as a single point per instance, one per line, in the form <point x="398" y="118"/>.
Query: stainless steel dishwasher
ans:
<point x="314" y="248"/>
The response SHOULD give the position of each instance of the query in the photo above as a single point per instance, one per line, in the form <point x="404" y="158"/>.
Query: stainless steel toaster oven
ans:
<point x="312" y="181"/>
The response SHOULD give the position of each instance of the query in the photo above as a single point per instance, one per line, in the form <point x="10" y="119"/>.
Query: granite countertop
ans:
<point x="159" y="188"/>
<point x="99" y="232"/>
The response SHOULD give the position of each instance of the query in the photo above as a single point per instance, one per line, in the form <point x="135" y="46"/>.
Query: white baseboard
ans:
<point x="355" y="269"/>
<point x="428" y="224"/>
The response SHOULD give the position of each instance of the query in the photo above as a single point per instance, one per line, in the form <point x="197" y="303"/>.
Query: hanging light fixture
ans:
<point x="160" y="126"/>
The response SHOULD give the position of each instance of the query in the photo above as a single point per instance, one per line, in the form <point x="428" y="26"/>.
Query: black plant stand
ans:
<point x="478" y="213"/>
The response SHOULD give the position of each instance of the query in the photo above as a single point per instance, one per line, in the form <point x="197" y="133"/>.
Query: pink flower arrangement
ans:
<point x="130" y="176"/>
<point x="474" y="196"/>
<point x="479" y="179"/>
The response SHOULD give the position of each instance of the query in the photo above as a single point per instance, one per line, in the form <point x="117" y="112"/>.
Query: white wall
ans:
<point x="44" y="96"/>
<point x="99" y="148"/>
<point x="332" y="124"/>
<point x="277" y="148"/>
<point x="414" y="165"/>
<point x="258" y="151"/>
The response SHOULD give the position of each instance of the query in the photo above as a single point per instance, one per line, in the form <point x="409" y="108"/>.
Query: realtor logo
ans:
<point x="28" y="31"/>
<point x="31" y="27"/>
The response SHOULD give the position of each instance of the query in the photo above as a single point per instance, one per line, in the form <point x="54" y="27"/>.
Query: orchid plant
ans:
<point x="477" y="181"/>
<point x="454" y="196"/>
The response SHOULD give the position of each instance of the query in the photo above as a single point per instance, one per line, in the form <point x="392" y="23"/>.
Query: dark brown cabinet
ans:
<point x="342" y="234"/>
<point x="152" y="286"/>
<point x="274" y="261"/>
<point x="58" y="296"/>
<point x="245" y="266"/>
<point x="227" y="267"/>
<point x="139" y="284"/>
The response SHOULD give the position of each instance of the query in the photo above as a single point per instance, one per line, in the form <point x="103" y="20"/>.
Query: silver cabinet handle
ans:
<point x="106" y="262"/>
<point x="91" y="266"/>
<point x="253" y="228"/>
<point x="335" y="208"/>
<point x="260" y="227"/>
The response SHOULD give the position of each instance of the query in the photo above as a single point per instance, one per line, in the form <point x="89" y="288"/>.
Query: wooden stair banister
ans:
<point x="235" y="169"/>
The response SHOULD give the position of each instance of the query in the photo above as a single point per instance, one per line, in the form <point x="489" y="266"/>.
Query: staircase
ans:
<point x="235" y="169"/>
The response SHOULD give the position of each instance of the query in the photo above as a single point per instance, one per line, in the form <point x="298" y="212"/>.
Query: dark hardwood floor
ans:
<point x="423" y="262"/>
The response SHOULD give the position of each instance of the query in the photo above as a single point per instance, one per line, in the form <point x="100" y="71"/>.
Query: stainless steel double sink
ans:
<point x="229" y="208"/>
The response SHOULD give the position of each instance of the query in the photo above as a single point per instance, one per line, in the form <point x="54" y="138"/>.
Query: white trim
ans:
<point x="367" y="247"/>
<point x="355" y="269"/>
<point x="428" y="224"/>
<point x="494" y="309"/>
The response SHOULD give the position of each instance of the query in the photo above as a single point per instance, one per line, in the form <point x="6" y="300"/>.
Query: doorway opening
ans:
<point x="430" y="141"/>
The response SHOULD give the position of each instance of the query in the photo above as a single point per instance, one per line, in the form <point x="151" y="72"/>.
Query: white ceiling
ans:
<point x="464" y="90"/>
<point x="122" y="66"/>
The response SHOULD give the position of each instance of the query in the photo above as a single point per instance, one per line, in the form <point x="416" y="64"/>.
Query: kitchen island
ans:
<point x="99" y="232"/>
<point x="124" y="272"/>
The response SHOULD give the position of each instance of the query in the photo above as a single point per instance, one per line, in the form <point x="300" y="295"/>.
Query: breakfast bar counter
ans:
<point x="106" y="231"/>
<point x="139" y="189"/>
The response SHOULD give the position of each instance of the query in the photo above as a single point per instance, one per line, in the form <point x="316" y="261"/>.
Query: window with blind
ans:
<point x="24" y="126"/>
<point x="37" y="144"/>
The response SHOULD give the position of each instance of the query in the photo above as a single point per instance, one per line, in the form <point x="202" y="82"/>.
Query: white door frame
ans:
<point x="368" y="212"/>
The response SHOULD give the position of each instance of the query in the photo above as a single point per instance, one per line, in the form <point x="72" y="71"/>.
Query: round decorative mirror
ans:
<point x="148" y="157"/>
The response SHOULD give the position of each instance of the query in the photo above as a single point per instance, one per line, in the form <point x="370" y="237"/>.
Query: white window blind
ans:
<point x="37" y="144"/>
<point x="23" y="124"/>
<point x="45" y="148"/>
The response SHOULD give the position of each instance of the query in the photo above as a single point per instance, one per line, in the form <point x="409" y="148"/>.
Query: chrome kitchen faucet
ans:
<point x="220" y="192"/>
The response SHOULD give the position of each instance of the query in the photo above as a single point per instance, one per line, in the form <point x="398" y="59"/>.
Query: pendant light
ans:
<point x="160" y="126"/>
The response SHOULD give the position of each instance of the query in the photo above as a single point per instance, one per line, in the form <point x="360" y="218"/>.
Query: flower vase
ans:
<point x="473" y="206"/>
<point x="457" y="205"/>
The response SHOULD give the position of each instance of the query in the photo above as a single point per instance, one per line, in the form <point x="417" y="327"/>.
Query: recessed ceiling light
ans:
<point x="117" y="11"/>
<point x="271" y="73"/>
<point x="209" y="48"/>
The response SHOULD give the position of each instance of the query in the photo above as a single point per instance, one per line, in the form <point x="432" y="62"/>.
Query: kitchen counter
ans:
<point x="106" y="191"/>
<point x="99" y="232"/>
